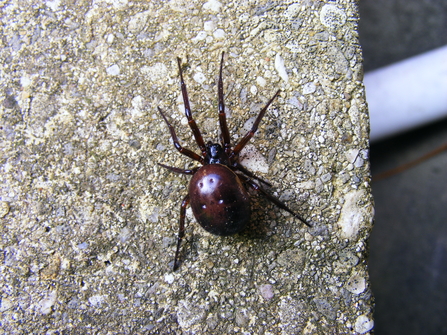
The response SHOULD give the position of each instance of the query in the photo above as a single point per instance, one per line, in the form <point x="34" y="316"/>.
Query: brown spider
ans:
<point x="217" y="194"/>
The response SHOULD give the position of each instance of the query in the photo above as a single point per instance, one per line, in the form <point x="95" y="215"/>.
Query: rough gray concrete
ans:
<point x="89" y="221"/>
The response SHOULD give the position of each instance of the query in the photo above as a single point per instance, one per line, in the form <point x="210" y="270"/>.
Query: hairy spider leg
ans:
<point x="237" y="149"/>
<point x="226" y="141"/>
<point x="273" y="199"/>
<point x="181" y="230"/>
<point x="182" y="150"/>
<point x="191" y="122"/>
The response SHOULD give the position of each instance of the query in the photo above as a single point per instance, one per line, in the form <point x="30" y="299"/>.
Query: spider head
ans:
<point x="215" y="154"/>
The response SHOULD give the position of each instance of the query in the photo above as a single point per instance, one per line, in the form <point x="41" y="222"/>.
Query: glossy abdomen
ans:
<point x="219" y="201"/>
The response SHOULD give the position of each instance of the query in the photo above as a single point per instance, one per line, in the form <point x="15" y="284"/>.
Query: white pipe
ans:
<point x="407" y="94"/>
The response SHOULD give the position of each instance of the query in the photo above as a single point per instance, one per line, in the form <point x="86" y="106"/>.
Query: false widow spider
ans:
<point x="217" y="190"/>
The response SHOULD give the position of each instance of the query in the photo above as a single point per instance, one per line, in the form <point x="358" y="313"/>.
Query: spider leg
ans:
<point x="178" y="170"/>
<point x="222" y="117"/>
<point x="181" y="230"/>
<point x="192" y="124"/>
<point x="253" y="129"/>
<point x="275" y="200"/>
<point x="177" y="145"/>
<point x="250" y="174"/>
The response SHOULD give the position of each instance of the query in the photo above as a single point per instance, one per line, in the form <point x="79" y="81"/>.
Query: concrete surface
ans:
<point x="89" y="220"/>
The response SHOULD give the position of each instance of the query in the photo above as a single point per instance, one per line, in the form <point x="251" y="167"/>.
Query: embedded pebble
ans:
<point x="189" y="314"/>
<point x="266" y="291"/>
<point x="332" y="17"/>
<point x="325" y="308"/>
<point x="219" y="34"/>
<point x="169" y="278"/>
<point x="253" y="160"/>
<point x="200" y="36"/>
<point x="242" y="318"/>
<point x="46" y="304"/>
<point x="359" y="162"/>
<point x="295" y="102"/>
<point x="54" y="5"/>
<point x="199" y="77"/>
<point x="213" y="5"/>
<point x="279" y="66"/>
<point x="209" y="26"/>
<point x="113" y="70"/>
<point x="158" y="71"/>
<point x="326" y="177"/>
<point x="309" y="88"/>
<point x="356" y="284"/>
<point x="351" y="155"/>
<point x="5" y="304"/>
<point x="83" y="245"/>
<point x="25" y="81"/>
<point x="4" y="208"/>
<point x="96" y="300"/>
<point x="292" y="11"/>
<point x="363" y="324"/>
<point x="138" y="21"/>
<point x="290" y="312"/>
<point x="351" y="214"/>
<point x="261" y="81"/>
<point x="125" y="234"/>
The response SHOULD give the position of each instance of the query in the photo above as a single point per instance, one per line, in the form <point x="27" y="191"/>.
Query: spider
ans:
<point x="217" y="191"/>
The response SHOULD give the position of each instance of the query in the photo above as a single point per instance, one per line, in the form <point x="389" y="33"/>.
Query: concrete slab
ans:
<point x="89" y="220"/>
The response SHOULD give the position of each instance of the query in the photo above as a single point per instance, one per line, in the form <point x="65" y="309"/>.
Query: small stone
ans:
<point x="326" y="177"/>
<point x="292" y="11"/>
<point x="253" y="89"/>
<point x="279" y="66"/>
<point x="325" y="308"/>
<point x="309" y="88"/>
<point x="351" y="214"/>
<point x="96" y="300"/>
<point x="4" y="208"/>
<point x="332" y="17"/>
<point x="47" y="303"/>
<point x="253" y="160"/>
<point x="351" y="155"/>
<point x="113" y="70"/>
<point x="266" y="291"/>
<point x="189" y="314"/>
<point x="5" y="304"/>
<point x="169" y="278"/>
<point x="209" y="26"/>
<point x="356" y="284"/>
<point x="219" y="34"/>
<point x="199" y="77"/>
<point x="213" y="5"/>
<point x="261" y="81"/>
<point x="363" y="324"/>
<point x="200" y="36"/>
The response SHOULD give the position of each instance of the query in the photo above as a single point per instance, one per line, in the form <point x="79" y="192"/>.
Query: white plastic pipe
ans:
<point x="407" y="94"/>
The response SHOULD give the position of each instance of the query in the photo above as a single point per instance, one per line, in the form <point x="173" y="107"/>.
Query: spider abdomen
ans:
<point x="219" y="200"/>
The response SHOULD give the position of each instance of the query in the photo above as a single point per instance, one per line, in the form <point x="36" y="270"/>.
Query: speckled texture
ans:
<point x="89" y="221"/>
